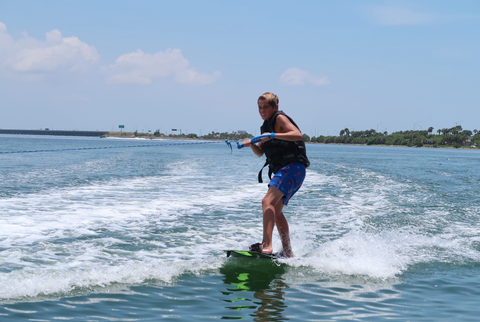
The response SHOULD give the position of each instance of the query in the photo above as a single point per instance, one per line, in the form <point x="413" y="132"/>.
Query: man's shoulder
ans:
<point x="284" y="122"/>
<point x="283" y="119"/>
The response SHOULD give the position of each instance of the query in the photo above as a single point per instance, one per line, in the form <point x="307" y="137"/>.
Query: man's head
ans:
<point x="267" y="105"/>
<point x="270" y="98"/>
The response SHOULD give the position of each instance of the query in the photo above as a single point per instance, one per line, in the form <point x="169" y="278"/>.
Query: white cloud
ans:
<point x="142" y="68"/>
<point x="30" y="59"/>
<point x="397" y="15"/>
<point x="56" y="53"/>
<point x="6" y="40"/>
<point x="296" y="76"/>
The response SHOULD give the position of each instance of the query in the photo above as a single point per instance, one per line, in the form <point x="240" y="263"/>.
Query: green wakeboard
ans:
<point x="250" y="254"/>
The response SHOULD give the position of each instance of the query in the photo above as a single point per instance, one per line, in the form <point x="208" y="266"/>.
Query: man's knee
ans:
<point x="267" y="202"/>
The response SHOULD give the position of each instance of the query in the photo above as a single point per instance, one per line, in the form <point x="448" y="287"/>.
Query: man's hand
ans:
<point x="267" y="138"/>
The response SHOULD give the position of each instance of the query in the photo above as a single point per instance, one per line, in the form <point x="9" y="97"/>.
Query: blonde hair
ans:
<point x="271" y="99"/>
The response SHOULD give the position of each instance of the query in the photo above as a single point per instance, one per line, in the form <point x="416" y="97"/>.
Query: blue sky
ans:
<point x="200" y="66"/>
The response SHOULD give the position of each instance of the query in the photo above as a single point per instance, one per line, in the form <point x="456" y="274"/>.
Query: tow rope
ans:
<point x="229" y="144"/>
<point x="110" y="147"/>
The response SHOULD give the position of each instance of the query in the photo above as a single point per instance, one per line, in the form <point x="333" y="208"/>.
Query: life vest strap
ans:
<point x="260" y="179"/>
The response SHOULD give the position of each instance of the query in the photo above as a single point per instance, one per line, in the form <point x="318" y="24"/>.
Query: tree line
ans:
<point x="454" y="137"/>
<point x="446" y="137"/>
<point x="210" y="136"/>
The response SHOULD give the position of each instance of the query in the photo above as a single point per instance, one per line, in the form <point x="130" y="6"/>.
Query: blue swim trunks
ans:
<point x="288" y="180"/>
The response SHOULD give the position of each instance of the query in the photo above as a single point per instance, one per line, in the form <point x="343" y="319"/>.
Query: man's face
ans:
<point x="265" y="110"/>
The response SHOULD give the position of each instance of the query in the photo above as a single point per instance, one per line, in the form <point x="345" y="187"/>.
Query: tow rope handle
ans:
<point x="257" y="139"/>
<point x="252" y="140"/>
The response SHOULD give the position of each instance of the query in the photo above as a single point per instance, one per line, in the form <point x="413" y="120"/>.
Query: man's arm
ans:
<point x="257" y="149"/>
<point x="285" y="130"/>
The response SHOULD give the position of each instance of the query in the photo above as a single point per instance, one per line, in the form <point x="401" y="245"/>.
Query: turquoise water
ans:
<point x="137" y="234"/>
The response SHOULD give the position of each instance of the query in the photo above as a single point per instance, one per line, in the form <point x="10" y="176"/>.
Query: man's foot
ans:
<point x="285" y="254"/>
<point x="259" y="248"/>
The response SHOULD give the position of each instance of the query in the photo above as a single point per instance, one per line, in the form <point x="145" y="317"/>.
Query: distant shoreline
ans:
<point x="53" y="132"/>
<point x="399" y="146"/>
<point x="150" y="136"/>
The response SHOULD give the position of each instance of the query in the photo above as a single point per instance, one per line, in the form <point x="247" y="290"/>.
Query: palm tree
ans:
<point x="345" y="132"/>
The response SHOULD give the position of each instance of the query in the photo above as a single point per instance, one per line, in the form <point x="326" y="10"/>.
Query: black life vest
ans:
<point x="279" y="153"/>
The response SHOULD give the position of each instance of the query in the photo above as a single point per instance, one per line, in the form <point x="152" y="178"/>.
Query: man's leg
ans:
<point x="271" y="199"/>
<point x="283" y="230"/>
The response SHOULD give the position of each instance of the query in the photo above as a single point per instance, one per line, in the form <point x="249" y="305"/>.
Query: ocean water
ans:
<point x="137" y="234"/>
